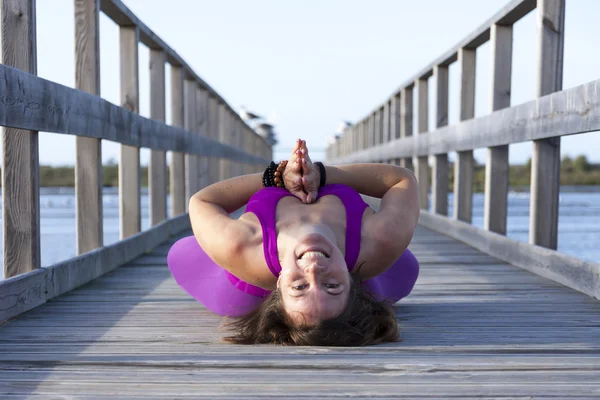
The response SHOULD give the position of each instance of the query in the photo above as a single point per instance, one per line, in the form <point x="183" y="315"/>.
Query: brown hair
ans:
<point x="364" y="321"/>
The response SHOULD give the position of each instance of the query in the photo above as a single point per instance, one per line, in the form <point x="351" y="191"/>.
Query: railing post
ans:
<point x="422" y="164"/>
<point x="497" y="167"/>
<point x="177" y="170"/>
<point x="192" y="173"/>
<point x="20" y="171"/>
<point x="545" y="163"/>
<point x="406" y="121"/>
<point x="157" y="168"/>
<point x="129" y="166"/>
<point x="213" y="133"/>
<point x="201" y="129"/>
<point x="88" y="158"/>
<point x="440" y="166"/>
<point x="223" y="131"/>
<point x="395" y="122"/>
<point x="385" y="125"/>
<point x="463" y="169"/>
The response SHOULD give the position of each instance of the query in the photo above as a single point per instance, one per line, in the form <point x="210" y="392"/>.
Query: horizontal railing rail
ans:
<point x="207" y="139"/>
<point x="386" y="135"/>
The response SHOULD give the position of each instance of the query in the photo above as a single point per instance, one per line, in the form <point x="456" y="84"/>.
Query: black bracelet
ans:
<point x="322" y="173"/>
<point x="273" y="175"/>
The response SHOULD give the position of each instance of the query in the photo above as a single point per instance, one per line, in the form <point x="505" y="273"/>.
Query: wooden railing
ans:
<point x="207" y="138"/>
<point x="385" y="135"/>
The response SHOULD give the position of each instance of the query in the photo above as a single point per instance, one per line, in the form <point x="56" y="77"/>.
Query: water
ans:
<point x="579" y="223"/>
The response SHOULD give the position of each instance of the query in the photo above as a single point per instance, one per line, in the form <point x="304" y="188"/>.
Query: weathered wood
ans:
<point x="130" y="180"/>
<point x="406" y="122"/>
<point x="50" y="107"/>
<point x="20" y="167"/>
<point x="464" y="166"/>
<point x="157" y="168"/>
<point x="422" y="163"/>
<point x="497" y="167"/>
<point x="385" y="122"/>
<point x="177" y="170"/>
<point x="192" y="178"/>
<point x="202" y="129"/>
<point x="569" y="271"/>
<point x="214" y="135"/>
<point x="460" y="327"/>
<point x="545" y="160"/>
<point x="440" y="165"/>
<point x="88" y="153"/>
<point x="223" y="131"/>
<point x="569" y="112"/>
<point x="22" y="293"/>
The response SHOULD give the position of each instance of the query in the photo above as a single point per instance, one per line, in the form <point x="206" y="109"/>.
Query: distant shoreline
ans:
<point x="576" y="173"/>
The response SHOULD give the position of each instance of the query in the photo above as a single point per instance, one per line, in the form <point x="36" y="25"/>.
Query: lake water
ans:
<point x="579" y="223"/>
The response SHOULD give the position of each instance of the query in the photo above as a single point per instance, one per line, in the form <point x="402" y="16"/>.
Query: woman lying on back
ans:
<point x="309" y="263"/>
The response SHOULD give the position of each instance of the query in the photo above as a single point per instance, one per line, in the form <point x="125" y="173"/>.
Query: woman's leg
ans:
<point x="208" y="283"/>
<point x="397" y="281"/>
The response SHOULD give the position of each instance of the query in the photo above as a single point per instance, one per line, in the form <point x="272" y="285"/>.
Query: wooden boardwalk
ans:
<point x="473" y="327"/>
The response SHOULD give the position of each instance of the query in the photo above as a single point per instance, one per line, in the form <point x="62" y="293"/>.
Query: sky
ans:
<point x="307" y="65"/>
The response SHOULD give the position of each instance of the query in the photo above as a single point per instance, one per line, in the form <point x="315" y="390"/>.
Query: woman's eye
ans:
<point x="299" y="287"/>
<point x="332" y="285"/>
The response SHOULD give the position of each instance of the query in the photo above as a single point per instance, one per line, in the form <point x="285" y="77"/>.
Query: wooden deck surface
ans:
<point x="472" y="328"/>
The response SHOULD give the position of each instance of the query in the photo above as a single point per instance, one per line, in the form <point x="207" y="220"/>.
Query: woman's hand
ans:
<point x="292" y="176"/>
<point x="311" y="175"/>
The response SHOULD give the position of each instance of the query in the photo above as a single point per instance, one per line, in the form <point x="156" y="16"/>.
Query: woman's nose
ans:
<point x="314" y="267"/>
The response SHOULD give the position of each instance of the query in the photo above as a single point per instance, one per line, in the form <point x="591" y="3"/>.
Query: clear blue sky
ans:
<point x="309" y="64"/>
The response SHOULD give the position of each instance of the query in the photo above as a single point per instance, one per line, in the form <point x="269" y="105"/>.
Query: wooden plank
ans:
<point x="422" y="164"/>
<point x="202" y="129"/>
<point x="20" y="167"/>
<point x="440" y="166"/>
<point x="497" y="166"/>
<point x="545" y="160"/>
<point x="130" y="216"/>
<point x="177" y="170"/>
<point x="569" y="271"/>
<point x="55" y="108"/>
<point x="192" y="178"/>
<point x="385" y="122"/>
<point x="22" y="293"/>
<point x="27" y="291"/>
<point x="88" y="153"/>
<point x="406" y="122"/>
<point x="569" y="112"/>
<point x="157" y="168"/>
<point x="395" y="115"/>
<point x="464" y="166"/>
<point x="223" y="131"/>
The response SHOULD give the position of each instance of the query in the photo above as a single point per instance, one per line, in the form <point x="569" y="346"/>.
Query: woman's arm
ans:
<point x="392" y="226"/>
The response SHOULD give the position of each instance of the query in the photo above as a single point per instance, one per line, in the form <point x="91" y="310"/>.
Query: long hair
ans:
<point x="364" y="321"/>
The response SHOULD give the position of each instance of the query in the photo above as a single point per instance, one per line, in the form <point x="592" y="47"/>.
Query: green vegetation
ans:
<point x="574" y="172"/>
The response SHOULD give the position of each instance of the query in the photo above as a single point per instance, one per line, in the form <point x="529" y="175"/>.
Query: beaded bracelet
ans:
<point x="273" y="175"/>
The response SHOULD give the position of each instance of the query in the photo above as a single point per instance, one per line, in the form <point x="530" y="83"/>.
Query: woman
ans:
<point x="309" y="263"/>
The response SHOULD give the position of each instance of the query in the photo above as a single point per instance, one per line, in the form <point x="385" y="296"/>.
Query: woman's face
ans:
<point x="314" y="280"/>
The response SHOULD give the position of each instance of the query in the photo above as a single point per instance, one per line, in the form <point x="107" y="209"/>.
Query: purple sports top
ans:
<point x="264" y="205"/>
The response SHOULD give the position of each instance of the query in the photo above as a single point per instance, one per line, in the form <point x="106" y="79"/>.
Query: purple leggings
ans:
<point x="224" y="294"/>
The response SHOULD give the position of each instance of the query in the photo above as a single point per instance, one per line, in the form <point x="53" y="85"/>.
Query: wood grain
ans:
<point x="20" y="167"/>
<point x="177" y="170"/>
<point x="406" y="122"/>
<point x="464" y="168"/>
<point x="88" y="157"/>
<point x="192" y="178"/>
<point x="422" y="171"/>
<point x="59" y="109"/>
<point x="545" y="160"/>
<point x="130" y="180"/>
<point x="440" y="163"/>
<point x="157" y="167"/>
<point x="485" y="330"/>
